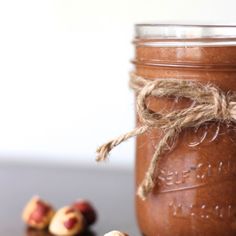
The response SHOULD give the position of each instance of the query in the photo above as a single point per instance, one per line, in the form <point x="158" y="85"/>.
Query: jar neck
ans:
<point x="199" y="57"/>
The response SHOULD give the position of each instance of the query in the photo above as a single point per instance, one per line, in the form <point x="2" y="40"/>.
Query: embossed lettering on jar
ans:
<point x="195" y="184"/>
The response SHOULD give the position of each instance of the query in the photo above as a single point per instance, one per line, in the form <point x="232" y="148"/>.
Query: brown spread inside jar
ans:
<point x="195" y="183"/>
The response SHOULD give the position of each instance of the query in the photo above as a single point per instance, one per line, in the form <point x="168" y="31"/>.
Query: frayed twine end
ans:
<point x="146" y="187"/>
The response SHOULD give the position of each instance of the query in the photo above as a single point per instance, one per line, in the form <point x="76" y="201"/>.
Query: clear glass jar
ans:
<point x="195" y="184"/>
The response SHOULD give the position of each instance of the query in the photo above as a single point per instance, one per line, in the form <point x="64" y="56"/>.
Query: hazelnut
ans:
<point x="67" y="221"/>
<point x="115" y="233"/>
<point x="37" y="213"/>
<point x="87" y="211"/>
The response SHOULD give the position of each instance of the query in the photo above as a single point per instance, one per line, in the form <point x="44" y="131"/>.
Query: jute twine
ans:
<point x="209" y="103"/>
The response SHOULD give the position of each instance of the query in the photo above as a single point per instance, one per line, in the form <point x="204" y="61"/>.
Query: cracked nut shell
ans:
<point x="67" y="221"/>
<point x="37" y="213"/>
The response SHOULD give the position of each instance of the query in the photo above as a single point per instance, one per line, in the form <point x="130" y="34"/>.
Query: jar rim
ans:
<point x="173" y="34"/>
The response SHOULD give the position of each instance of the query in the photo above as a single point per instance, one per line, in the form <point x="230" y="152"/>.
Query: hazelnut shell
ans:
<point x="37" y="213"/>
<point x="67" y="221"/>
<point x="87" y="210"/>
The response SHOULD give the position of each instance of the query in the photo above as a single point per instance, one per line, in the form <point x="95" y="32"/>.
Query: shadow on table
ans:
<point x="33" y="232"/>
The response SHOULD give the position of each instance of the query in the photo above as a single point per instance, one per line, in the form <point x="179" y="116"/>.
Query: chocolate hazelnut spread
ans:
<point x="195" y="184"/>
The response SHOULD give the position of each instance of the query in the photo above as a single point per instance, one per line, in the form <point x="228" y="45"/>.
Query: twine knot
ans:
<point x="221" y="105"/>
<point x="209" y="103"/>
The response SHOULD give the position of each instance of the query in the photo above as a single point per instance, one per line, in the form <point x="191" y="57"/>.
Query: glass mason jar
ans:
<point x="195" y="183"/>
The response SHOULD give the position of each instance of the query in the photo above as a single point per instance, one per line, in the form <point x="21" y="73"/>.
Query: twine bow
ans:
<point x="209" y="104"/>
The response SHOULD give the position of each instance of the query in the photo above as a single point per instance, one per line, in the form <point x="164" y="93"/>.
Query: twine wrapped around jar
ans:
<point x="209" y="104"/>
